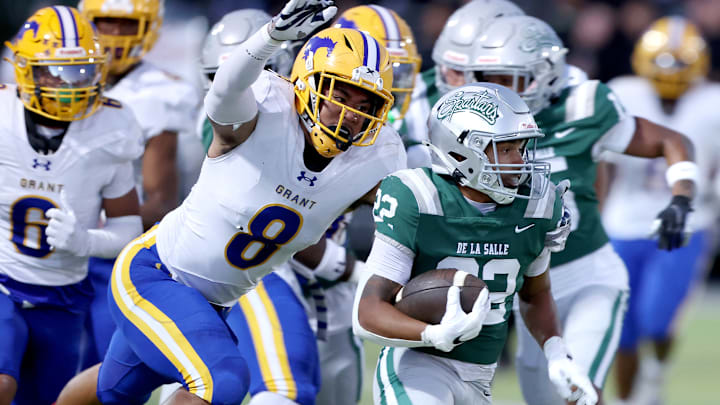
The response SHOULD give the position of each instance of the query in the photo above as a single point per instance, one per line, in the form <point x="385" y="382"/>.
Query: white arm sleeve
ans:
<point x="388" y="261"/>
<point x="115" y="234"/>
<point x="230" y="100"/>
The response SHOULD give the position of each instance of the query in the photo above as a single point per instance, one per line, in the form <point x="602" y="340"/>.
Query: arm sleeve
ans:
<point x="396" y="213"/>
<point x="230" y="100"/>
<point x="115" y="234"/>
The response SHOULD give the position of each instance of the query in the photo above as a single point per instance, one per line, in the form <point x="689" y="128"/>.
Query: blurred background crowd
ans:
<point x="600" y="35"/>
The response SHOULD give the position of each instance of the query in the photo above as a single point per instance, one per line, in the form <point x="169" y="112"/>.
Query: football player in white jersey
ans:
<point x="295" y="352"/>
<point x="287" y="158"/>
<point x="67" y="153"/>
<point x="589" y="280"/>
<point x="163" y="104"/>
<point x="671" y="60"/>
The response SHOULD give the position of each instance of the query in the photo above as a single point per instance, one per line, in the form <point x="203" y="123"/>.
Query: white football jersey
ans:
<point x="639" y="190"/>
<point x="162" y="102"/>
<point x="93" y="162"/>
<point x="257" y="205"/>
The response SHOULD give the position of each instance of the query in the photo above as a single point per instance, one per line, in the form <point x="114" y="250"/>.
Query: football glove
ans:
<point x="63" y="231"/>
<point x="300" y="17"/>
<point x="456" y="326"/>
<point x="570" y="382"/>
<point x="670" y="223"/>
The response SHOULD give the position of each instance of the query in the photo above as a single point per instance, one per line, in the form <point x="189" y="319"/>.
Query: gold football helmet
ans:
<point x="341" y="55"/>
<point x="393" y="33"/>
<point x="59" y="64"/>
<point x="126" y="49"/>
<point x="672" y="55"/>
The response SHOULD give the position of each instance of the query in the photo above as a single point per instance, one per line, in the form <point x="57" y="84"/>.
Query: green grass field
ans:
<point x="694" y="378"/>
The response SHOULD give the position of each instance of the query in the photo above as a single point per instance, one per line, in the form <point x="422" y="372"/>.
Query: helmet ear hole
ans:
<point x="458" y="157"/>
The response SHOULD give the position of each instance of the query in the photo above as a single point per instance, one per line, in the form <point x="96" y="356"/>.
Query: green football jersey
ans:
<point x="425" y="213"/>
<point x="207" y="134"/>
<point x="414" y="125"/>
<point x="573" y="125"/>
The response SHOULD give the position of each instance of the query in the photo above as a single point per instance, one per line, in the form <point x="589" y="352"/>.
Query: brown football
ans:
<point x="424" y="297"/>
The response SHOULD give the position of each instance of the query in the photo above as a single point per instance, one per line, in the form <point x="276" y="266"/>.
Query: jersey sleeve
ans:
<point x="617" y="126"/>
<point x="168" y="104"/>
<point x="121" y="182"/>
<point x="396" y="213"/>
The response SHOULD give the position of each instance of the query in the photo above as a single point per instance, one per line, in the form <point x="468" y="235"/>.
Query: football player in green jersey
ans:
<point x="486" y="208"/>
<point x="581" y="122"/>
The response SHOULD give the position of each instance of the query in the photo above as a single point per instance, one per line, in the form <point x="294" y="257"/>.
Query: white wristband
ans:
<point x="554" y="348"/>
<point x="684" y="170"/>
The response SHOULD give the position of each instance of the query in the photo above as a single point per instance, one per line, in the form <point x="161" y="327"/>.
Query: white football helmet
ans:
<point x="233" y="29"/>
<point x="454" y="47"/>
<point x="465" y="121"/>
<point x="526" y="49"/>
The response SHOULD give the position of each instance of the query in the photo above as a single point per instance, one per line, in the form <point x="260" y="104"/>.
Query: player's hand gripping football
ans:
<point x="63" y="232"/>
<point x="300" y="17"/>
<point x="670" y="224"/>
<point x="456" y="326"/>
<point x="571" y="383"/>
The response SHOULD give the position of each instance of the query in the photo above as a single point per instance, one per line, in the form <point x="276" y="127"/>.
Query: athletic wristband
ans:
<point x="554" y="349"/>
<point x="684" y="170"/>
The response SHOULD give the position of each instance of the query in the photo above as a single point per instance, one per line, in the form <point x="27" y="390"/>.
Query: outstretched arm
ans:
<point x="230" y="103"/>
<point x="652" y="140"/>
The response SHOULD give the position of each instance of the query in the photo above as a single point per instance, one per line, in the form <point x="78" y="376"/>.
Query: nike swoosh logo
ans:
<point x="563" y="134"/>
<point x="524" y="228"/>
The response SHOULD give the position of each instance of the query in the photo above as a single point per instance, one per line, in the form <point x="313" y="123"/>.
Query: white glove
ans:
<point x="456" y="326"/>
<point x="63" y="231"/>
<point x="301" y="17"/>
<point x="571" y="383"/>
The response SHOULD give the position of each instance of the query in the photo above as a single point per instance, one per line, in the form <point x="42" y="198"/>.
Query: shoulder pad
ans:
<point x="423" y="189"/>
<point x="580" y="103"/>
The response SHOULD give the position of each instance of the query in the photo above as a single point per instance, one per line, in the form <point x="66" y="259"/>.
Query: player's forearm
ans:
<point x="652" y="140"/>
<point x="539" y="313"/>
<point x="381" y="318"/>
<point x="229" y="100"/>
<point x="112" y="238"/>
<point x="156" y="206"/>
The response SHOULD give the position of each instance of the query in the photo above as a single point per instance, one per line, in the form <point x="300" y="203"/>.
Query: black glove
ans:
<point x="672" y="223"/>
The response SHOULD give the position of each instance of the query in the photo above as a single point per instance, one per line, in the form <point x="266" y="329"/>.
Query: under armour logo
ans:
<point x="37" y="163"/>
<point x="302" y="177"/>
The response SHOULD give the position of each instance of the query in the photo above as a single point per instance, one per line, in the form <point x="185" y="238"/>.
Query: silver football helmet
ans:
<point x="526" y="49"/>
<point x="454" y="47"/>
<point x="233" y="29"/>
<point x="468" y="123"/>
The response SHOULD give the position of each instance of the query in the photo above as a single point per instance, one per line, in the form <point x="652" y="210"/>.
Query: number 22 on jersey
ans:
<point x="272" y="226"/>
<point x="28" y="224"/>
